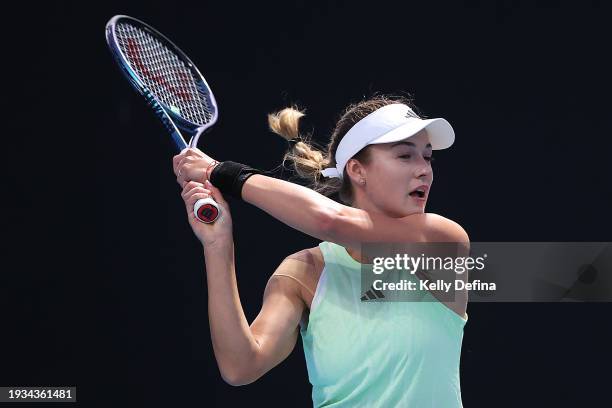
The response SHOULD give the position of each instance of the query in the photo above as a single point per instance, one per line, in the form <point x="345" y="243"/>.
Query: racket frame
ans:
<point x="174" y="123"/>
<point x="205" y="210"/>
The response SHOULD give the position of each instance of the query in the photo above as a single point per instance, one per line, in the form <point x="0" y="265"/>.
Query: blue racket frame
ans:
<point x="175" y="124"/>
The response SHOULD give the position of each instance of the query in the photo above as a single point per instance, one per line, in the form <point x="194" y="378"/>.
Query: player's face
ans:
<point x="395" y="171"/>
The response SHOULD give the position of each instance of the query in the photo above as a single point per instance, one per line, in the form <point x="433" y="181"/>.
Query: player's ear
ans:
<point x="355" y="170"/>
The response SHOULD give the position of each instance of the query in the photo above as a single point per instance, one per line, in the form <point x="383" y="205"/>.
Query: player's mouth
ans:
<point x="420" y="193"/>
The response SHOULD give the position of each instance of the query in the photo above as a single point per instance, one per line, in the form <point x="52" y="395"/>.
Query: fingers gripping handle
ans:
<point x="206" y="210"/>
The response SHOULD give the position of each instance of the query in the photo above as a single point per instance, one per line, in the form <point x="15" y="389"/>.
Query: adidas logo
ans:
<point x="410" y="114"/>
<point x="372" y="294"/>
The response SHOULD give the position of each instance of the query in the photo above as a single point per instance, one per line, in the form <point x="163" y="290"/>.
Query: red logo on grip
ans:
<point x="207" y="213"/>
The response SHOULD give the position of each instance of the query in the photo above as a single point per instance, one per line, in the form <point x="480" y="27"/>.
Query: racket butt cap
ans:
<point x="206" y="210"/>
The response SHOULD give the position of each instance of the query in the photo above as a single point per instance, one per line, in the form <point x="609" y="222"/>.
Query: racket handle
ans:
<point x="206" y="210"/>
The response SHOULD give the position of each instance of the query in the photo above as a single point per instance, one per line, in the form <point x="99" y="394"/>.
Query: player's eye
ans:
<point x="408" y="156"/>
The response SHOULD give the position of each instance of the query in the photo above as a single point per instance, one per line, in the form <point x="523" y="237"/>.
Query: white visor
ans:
<point x="389" y="124"/>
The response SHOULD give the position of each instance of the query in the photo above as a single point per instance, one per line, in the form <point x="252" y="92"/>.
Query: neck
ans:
<point x="361" y="202"/>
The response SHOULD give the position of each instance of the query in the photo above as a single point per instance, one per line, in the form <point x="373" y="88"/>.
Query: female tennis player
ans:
<point x="358" y="353"/>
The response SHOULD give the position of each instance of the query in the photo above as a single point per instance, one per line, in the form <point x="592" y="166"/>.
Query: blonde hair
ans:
<point x="308" y="160"/>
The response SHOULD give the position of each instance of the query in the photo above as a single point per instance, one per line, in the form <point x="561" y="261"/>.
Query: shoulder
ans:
<point x="300" y="272"/>
<point x="437" y="228"/>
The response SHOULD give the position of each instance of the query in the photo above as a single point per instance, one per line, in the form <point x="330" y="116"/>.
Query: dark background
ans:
<point x="102" y="282"/>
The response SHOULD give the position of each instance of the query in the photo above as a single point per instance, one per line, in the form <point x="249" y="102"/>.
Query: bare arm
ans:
<point x="323" y="218"/>
<point x="243" y="353"/>
<point x="246" y="353"/>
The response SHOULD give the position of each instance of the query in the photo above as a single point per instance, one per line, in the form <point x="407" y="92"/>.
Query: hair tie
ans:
<point x="294" y="141"/>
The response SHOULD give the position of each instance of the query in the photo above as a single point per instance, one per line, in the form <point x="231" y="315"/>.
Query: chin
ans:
<point x="414" y="210"/>
<point x="404" y="212"/>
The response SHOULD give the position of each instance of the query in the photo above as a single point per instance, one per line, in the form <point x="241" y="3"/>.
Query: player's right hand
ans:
<point x="192" y="164"/>
<point x="220" y="231"/>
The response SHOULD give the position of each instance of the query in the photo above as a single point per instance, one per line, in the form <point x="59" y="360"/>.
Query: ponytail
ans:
<point x="308" y="161"/>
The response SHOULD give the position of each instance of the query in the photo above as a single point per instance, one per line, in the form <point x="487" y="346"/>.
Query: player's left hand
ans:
<point x="218" y="232"/>
<point x="191" y="165"/>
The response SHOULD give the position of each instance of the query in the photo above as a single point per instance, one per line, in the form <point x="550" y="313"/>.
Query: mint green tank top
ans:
<point x="378" y="354"/>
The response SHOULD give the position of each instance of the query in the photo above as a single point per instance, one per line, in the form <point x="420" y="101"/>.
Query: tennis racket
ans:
<point x="170" y="83"/>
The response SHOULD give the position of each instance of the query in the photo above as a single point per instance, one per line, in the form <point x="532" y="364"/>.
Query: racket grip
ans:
<point x="206" y="210"/>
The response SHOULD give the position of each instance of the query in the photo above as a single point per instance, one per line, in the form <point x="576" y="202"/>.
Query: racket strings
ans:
<point x="164" y="73"/>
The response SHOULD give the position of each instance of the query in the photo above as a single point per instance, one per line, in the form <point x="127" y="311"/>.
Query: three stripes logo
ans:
<point x="410" y="114"/>
<point x="372" y="294"/>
